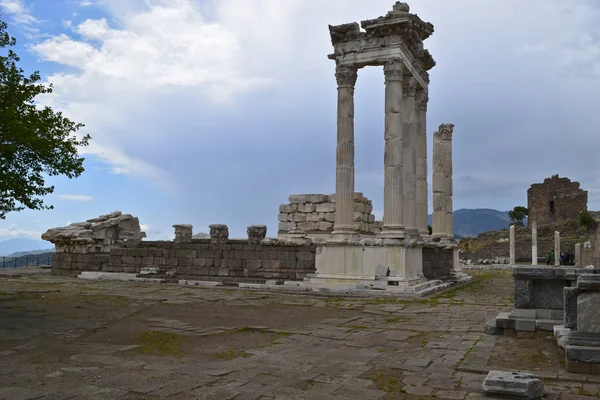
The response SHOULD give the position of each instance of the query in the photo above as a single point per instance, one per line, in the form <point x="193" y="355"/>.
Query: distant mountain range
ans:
<point x="472" y="222"/>
<point x="22" y="246"/>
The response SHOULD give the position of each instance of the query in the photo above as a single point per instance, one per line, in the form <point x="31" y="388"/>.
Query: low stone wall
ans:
<point x="437" y="263"/>
<point x="315" y="214"/>
<point x="198" y="260"/>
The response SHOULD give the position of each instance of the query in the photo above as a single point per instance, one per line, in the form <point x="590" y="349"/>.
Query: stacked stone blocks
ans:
<point x="315" y="213"/>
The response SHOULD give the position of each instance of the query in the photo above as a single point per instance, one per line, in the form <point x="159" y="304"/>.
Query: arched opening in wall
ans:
<point x="369" y="140"/>
<point x="552" y="210"/>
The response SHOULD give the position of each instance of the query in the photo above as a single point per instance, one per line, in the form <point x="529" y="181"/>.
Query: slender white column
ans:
<point x="439" y="187"/>
<point x="409" y="165"/>
<point x="578" y="255"/>
<point x="557" y="248"/>
<point x="534" y="253"/>
<point x="446" y="131"/>
<point x="393" y="218"/>
<point x="422" y="194"/>
<point x="513" y="259"/>
<point x="344" y="188"/>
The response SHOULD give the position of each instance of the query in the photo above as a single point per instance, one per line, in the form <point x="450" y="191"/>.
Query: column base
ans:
<point x="392" y="232"/>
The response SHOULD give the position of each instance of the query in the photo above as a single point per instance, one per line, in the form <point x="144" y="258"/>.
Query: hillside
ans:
<point x="495" y="244"/>
<point x="11" y="246"/>
<point x="472" y="222"/>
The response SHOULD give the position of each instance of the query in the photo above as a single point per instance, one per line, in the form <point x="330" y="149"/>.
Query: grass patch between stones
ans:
<point x="159" y="343"/>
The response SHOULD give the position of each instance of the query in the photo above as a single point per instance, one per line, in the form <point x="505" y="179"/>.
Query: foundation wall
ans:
<point x="200" y="259"/>
<point x="437" y="263"/>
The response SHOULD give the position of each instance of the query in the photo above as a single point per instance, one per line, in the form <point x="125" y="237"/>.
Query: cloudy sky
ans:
<point x="215" y="111"/>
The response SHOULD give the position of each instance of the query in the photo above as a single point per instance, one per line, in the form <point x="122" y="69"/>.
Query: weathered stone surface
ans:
<point x="523" y="293"/>
<point x="557" y="199"/>
<point x="183" y="233"/>
<point x="219" y="234"/>
<point x="521" y="385"/>
<point x="96" y="235"/>
<point x="588" y="315"/>
<point x="256" y="233"/>
<point x="570" y="300"/>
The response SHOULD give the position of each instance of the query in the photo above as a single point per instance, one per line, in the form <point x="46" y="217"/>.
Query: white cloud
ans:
<point x="14" y="232"/>
<point x="74" y="197"/>
<point x="19" y="12"/>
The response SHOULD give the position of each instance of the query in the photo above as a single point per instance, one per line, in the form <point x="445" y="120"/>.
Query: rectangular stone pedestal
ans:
<point x="347" y="264"/>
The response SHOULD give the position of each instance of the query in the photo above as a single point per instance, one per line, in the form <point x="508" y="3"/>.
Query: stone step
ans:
<point x="117" y="276"/>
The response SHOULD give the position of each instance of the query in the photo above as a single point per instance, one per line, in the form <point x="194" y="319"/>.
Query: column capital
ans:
<point x="445" y="131"/>
<point x="421" y="99"/>
<point x="346" y="75"/>
<point x="409" y="87"/>
<point x="393" y="69"/>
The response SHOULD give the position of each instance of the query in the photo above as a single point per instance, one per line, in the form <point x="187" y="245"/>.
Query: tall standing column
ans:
<point x="512" y="256"/>
<point x="557" y="248"/>
<point x="534" y="255"/>
<point x="422" y="201"/>
<point x="409" y="164"/>
<point x="578" y="255"/>
<point x="446" y="131"/>
<point x="344" y="185"/>
<point x="439" y="187"/>
<point x="393" y="219"/>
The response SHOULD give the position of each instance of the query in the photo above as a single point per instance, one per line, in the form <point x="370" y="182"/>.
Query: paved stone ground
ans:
<point x="64" y="338"/>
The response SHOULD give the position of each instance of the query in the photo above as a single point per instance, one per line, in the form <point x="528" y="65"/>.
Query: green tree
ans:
<point x="518" y="214"/>
<point x="34" y="141"/>
<point x="586" y="219"/>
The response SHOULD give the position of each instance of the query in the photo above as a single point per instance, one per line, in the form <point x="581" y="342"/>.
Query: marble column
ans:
<point x="393" y="218"/>
<point x="534" y="254"/>
<point x="422" y="201"/>
<point x="578" y="255"/>
<point x="513" y="259"/>
<point x="446" y="130"/>
<point x="557" y="248"/>
<point x="439" y="187"/>
<point x="344" y="189"/>
<point x="442" y="182"/>
<point x="409" y="164"/>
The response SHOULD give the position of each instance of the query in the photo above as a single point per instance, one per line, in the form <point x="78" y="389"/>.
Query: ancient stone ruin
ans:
<point x="556" y="200"/>
<point x="334" y="240"/>
<point x="97" y="235"/>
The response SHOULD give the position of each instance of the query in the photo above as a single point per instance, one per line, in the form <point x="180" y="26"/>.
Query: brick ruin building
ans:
<point x="555" y="200"/>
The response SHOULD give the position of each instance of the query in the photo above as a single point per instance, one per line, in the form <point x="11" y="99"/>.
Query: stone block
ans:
<point x="288" y="208"/>
<point x="370" y="218"/>
<point x="523" y="293"/>
<point x="324" y="226"/>
<point x="360" y="207"/>
<point x="298" y="217"/>
<point x="286" y="226"/>
<point x="317" y="198"/>
<point x="525" y="325"/>
<point x="283" y="217"/>
<point x="256" y="233"/>
<point x="330" y="217"/>
<point x="313" y="217"/>
<point x="307" y="226"/>
<point x="586" y="354"/>
<point x="589" y="282"/>
<point x="588" y="317"/>
<point x="325" y="208"/>
<point x="521" y="385"/>
<point x="297" y="199"/>
<point x="219" y="233"/>
<point x="307" y="207"/>
<point x="570" y="299"/>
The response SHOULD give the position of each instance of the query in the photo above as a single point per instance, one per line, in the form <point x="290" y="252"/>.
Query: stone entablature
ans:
<point x="96" y="235"/>
<point x="314" y="215"/>
<point x="556" y="200"/>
